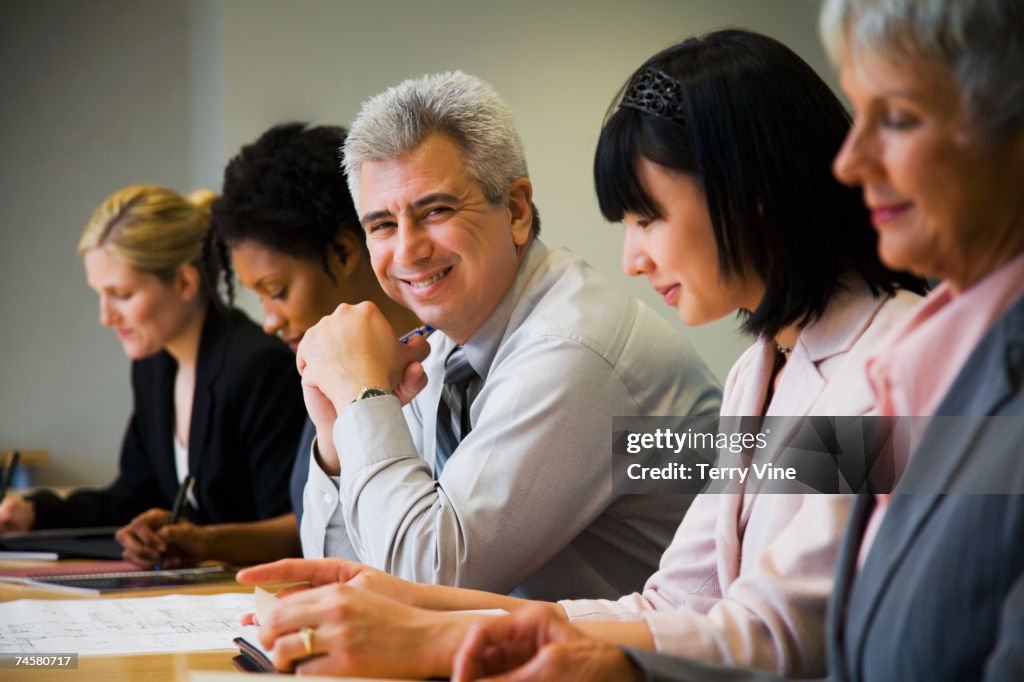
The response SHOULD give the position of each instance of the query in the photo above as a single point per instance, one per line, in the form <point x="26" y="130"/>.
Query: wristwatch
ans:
<point x="370" y="392"/>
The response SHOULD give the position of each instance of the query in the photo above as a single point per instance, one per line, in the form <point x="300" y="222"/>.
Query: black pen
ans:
<point x="9" y="470"/>
<point x="179" y="503"/>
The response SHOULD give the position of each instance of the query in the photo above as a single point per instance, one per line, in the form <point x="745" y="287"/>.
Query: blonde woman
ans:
<point x="214" y="397"/>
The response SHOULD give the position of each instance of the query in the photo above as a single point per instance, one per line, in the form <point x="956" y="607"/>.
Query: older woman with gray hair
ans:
<point x="930" y="583"/>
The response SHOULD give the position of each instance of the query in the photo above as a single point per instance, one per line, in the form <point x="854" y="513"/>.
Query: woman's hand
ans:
<point x="337" y="629"/>
<point x="533" y="644"/>
<point x="16" y="514"/>
<point x="148" y="540"/>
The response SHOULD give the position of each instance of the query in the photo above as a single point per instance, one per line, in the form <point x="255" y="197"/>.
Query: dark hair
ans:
<point x="759" y="129"/>
<point x="286" y="191"/>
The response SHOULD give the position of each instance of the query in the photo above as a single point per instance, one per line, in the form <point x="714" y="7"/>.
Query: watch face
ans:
<point x="370" y="393"/>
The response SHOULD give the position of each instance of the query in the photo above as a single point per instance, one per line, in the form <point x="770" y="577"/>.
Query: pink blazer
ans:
<point x="747" y="577"/>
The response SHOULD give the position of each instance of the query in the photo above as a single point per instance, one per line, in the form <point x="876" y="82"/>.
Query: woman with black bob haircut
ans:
<point x="717" y="157"/>
<point x="756" y="125"/>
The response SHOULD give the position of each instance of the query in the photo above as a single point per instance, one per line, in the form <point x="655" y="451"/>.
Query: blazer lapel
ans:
<point x="802" y="388"/>
<point x="846" y="574"/>
<point x="747" y="400"/>
<point x="163" y="402"/>
<point x="212" y="347"/>
<point x="941" y="453"/>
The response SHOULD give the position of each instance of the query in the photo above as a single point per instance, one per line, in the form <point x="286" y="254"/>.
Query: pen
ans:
<point x="424" y="331"/>
<point x="12" y="466"/>
<point x="179" y="503"/>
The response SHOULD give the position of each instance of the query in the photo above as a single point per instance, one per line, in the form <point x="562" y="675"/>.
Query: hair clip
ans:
<point x="655" y="92"/>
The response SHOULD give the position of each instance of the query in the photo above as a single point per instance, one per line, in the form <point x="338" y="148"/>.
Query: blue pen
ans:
<point x="424" y="331"/>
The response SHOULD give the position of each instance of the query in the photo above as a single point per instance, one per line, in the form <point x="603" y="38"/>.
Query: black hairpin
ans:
<point x="655" y="92"/>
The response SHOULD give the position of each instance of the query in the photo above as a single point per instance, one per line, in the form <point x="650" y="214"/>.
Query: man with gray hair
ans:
<point x="496" y="474"/>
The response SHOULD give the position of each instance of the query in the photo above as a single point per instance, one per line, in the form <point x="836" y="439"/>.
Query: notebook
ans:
<point x="252" y="658"/>
<point x="67" y="543"/>
<point x="50" y="569"/>
<point x="101" y="582"/>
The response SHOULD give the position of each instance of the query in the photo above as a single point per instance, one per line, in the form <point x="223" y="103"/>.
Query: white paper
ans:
<point x="265" y="603"/>
<point x="218" y="676"/>
<point x="144" y="625"/>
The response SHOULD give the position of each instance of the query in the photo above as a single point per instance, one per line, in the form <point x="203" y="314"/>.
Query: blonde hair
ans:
<point x="151" y="228"/>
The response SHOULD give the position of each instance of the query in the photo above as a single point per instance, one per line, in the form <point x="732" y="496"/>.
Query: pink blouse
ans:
<point x="921" y="358"/>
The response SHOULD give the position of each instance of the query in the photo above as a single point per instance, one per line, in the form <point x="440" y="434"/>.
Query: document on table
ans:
<point x="217" y="676"/>
<point x="176" y="622"/>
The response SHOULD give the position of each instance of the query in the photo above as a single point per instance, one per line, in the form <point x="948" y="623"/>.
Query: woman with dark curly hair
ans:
<point x="294" y="237"/>
<point x="286" y="222"/>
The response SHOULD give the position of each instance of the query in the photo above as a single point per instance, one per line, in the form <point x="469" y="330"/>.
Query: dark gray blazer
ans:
<point x="941" y="593"/>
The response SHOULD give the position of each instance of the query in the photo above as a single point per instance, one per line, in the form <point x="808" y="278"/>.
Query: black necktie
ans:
<point x="453" y="410"/>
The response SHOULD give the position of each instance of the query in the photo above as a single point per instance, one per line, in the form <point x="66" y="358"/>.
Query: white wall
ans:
<point x="103" y="93"/>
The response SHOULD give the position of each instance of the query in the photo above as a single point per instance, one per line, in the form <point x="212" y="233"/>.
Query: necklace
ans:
<point x="784" y="351"/>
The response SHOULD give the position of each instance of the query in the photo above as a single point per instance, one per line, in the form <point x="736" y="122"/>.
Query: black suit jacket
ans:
<point x="247" y="414"/>
<point x="941" y="592"/>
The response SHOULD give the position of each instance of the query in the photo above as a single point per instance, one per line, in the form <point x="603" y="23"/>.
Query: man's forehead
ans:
<point x="433" y="171"/>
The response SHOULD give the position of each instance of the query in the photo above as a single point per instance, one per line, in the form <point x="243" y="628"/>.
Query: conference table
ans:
<point x="163" y="667"/>
<point x="205" y="666"/>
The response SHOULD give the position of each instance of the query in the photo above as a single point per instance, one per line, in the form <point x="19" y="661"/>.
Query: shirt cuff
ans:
<point x="320" y="500"/>
<point x="628" y="608"/>
<point x="372" y="430"/>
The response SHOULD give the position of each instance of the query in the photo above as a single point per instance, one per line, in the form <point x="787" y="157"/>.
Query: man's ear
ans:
<point x="520" y="207"/>
<point x="187" y="282"/>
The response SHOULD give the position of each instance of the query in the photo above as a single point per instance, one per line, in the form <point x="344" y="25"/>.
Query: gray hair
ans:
<point x="980" y="42"/>
<point x="464" y="107"/>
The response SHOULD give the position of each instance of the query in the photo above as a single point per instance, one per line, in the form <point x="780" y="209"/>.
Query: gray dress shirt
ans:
<point x="525" y="504"/>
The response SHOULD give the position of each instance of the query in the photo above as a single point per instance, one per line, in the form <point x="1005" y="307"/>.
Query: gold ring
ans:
<point x="306" y="634"/>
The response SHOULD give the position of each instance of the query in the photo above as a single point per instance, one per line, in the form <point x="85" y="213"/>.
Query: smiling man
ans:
<point x="496" y="473"/>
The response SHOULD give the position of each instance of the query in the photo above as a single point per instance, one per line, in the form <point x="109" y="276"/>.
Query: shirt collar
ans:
<point x="481" y="348"/>
<point x="848" y="313"/>
<point x="911" y="374"/>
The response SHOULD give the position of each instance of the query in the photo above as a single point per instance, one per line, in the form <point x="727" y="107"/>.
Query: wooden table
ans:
<point x="149" y="667"/>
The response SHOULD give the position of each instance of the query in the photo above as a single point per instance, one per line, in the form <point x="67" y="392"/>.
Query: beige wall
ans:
<point x="104" y="93"/>
<point x="557" y="63"/>
<point x="95" y="96"/>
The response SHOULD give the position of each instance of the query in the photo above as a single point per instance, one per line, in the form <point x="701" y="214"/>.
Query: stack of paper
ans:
<point x="123" y="626"/>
